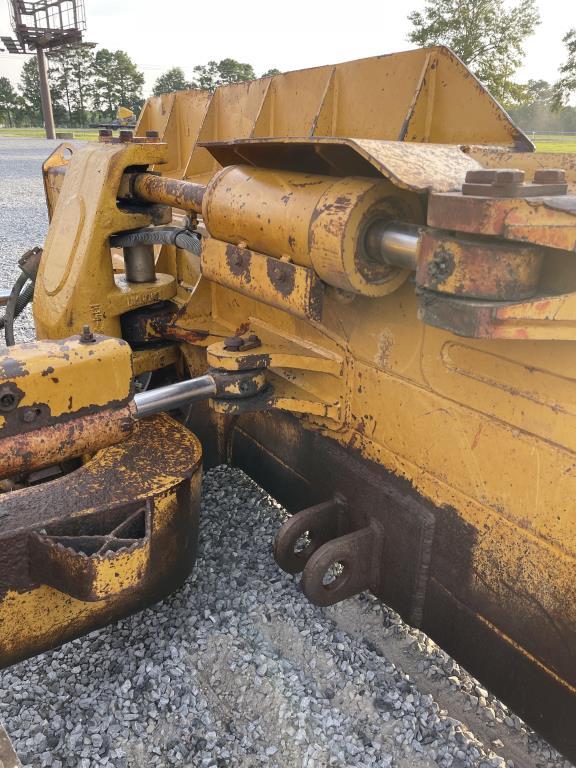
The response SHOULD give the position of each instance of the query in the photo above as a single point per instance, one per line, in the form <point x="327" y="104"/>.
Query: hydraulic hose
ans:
<point x="12" y="306"/>
<point x="23" y="300"/>
<point x="181" y="238"/>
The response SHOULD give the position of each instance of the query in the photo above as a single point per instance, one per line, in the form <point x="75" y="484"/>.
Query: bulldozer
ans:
<point x="357" y="283"/>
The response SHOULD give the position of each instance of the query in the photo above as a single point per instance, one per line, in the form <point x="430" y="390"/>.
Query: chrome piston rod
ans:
<point x="394" y="243"/>
<point x="174" y="396"/>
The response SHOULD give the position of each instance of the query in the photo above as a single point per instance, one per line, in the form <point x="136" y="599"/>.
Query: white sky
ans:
<point x="159" y="34"/>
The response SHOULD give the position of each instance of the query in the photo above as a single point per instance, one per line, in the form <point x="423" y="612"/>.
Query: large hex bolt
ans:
<point x="550" y="176"/>
<point x="10" y="396"/>
<point x="233" y="343"/>
<point x="86" y="337"/>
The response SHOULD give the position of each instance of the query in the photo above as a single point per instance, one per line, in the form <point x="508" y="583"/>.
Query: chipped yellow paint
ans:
<point x="42" y="616"/>
<point x="68" y="376"/>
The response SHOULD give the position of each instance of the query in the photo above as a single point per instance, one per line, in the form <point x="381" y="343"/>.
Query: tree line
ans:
<point x="85" y="85"/>
<point x="488" y="35"/>
<point x="89" y="86"/>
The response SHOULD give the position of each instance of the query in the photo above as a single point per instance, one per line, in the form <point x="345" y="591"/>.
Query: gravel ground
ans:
<point x="237" y="668"/>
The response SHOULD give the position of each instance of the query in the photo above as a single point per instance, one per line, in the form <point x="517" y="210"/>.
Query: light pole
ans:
<point x="45" y="96"/>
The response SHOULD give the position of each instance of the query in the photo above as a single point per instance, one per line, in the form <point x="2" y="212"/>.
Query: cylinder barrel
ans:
<point x="267" y="210"/>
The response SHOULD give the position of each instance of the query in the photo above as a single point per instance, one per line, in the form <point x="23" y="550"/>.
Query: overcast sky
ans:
<point x="291" y="35"/>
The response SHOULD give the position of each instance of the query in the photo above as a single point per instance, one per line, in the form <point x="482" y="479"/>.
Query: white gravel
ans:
<point x="237" y="668"/>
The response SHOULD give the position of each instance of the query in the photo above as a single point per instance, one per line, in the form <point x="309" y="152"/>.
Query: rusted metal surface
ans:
<point x="297" y="290"/>
<point x="61" y="399"/>
<point x="426" y="566"/>
<point x="179" y="194"/>
<point x="511" y="183"/>
<point x="300" y="379"/>
<point x="406" y="425"/>
<point x="96" y="557"/>
<point x="341" y="568"/>
<point x="415" y="167"/>
<point x="530" y="162"/>
<point x="101" y="542"/>
<point x="477" y="267"/>
<point x="315" y="221"/>
<point x="60" y="441"/>
<point x="316" y="525"/>
<point x="335" y="560"/>
<point x="8" y="758"/>
<point x="235" y="385"/>
<point x="544" y="318"/>
<point x="547" y="221"/>
<point x="53" y="382"/>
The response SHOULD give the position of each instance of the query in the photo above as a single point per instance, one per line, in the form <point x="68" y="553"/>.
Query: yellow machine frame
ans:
<point x="440" y="419"/>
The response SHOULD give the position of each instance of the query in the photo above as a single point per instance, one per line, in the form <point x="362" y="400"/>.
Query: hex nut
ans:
<point x="509" y="176"/>
<point x="550" y="176"/>
<point x="233" y="343"/>
<point x="481" y="176"/>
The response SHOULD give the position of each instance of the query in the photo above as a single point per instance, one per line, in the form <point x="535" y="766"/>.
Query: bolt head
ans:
<point x="550" y="176"/>
<point x="29" y="415"/>
<point x="86" y="336"/>
<point x="279" y="274"/>
<point x="8" y="401"/>
<point x="233" y="343"/>
<point x="126" y="136"/>
<point x="509" y="176"/>
<point x="481" y="176"/>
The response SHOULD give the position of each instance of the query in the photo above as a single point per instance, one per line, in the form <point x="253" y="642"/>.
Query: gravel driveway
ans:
<point x="237" y="668"/>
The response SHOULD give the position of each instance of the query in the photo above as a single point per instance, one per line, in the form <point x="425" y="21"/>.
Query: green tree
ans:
<point x="8" y="101"/>
<point x="271" y="73"/>
<point x="30" y="91"/>
<point x="172" y="80"/>
<point x="30" y="94"/>
<point x="566" y="86"/>
<point x="117" y="82"/>
<point x="73" y="73"/>
<point x="539" y="112"/>
<point x="488" y="35"/>
<point x="209" y="76"/>
<point x="129" y="82"/>
<point x="103" y="86"/>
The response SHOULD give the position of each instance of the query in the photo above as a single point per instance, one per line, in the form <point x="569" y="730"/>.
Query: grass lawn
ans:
<point x="556" y="146"/>
<point x="553" y="143"/>
<point x="82" y="134"/>
<point x="544" y="143"/>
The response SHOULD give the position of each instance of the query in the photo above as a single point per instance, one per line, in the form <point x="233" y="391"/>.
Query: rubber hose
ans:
<point x="188" y="241"/>
<point x="23" y="300"/>
<point x="10" y="315"/>
<point x="181" y="238"/>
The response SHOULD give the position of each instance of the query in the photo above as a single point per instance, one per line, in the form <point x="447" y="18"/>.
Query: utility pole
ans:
<point x="45" y="96"/>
